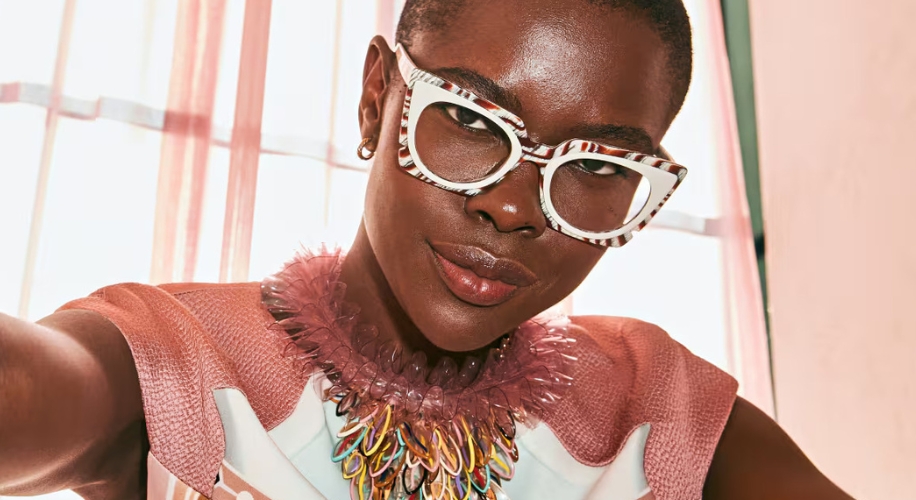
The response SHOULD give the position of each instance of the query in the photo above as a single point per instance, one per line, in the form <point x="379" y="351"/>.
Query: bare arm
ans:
<point x="757" y="460"/>
<point x="71" y="416"/>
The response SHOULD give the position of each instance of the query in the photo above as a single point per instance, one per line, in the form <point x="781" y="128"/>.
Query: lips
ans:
<point x="477" y="276"/>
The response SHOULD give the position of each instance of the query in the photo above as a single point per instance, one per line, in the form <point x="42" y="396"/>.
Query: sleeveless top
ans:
<point x="229" y="416"/>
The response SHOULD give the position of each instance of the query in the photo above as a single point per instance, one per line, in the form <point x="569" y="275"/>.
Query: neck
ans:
<point x="368" y="288"/>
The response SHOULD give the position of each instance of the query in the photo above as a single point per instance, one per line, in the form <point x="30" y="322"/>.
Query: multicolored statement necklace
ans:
<point x="415" y="433"/>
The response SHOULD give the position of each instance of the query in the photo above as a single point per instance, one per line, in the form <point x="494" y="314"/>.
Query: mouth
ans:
<point x="478" y="277"/>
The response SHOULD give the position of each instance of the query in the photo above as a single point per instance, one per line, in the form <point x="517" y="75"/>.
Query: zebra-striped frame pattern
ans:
<point x="664" y="175"/>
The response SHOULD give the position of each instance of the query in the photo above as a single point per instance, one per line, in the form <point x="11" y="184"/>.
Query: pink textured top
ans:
<point x="189" y="340"/>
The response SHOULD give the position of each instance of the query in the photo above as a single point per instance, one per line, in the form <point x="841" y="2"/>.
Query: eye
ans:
<point x="599" y="167"/>
<point x="466" y="117"/>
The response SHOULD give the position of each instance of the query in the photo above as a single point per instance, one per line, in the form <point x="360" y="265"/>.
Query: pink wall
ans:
<point x="836" y="97"/>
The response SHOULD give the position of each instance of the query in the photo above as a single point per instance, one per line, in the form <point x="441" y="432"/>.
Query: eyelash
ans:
<point x="617" y="170"/>
<point x="448" y="108"/>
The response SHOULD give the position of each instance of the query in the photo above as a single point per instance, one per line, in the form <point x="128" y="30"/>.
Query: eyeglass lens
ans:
<point x="593" y="195"/>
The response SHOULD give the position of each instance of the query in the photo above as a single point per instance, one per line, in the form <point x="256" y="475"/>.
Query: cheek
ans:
<point x="571" y="261"/>
<point x="387" y="207"/>
<point x="401" y="213"/>
<point x="393" y="198"/>
<point x="396" y="202"/>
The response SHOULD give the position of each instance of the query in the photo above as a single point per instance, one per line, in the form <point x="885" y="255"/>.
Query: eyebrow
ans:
<point x="625" y="136"/>
<point x="481" y="85"/>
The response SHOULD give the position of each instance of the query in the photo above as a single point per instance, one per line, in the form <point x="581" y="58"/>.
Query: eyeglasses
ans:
<point x="589" y="191"/>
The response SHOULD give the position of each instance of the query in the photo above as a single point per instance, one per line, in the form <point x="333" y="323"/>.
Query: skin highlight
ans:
<point x="411" y="303"/>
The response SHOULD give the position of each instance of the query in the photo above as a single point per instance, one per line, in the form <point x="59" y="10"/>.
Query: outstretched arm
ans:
<point x="757" y="460"/>
<point x="71" y="416"/>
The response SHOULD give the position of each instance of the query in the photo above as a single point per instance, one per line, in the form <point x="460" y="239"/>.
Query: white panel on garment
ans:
<point x="307" y="438"/>
<point x="253" y="454"/>
<point x="546" y="470"/>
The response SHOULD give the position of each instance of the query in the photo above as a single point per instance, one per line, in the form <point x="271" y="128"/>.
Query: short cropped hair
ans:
<point x="668" y="18"/>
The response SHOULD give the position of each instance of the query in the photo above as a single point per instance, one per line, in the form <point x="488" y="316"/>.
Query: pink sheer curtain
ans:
<point x="747" y="342"/>
<point x="166" y="140"/>
<point x="189" y="126"/>
<point x="187" y="133"/>
<point x="236" y="97"/>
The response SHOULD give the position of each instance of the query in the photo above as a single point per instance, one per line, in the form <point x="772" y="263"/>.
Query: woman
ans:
<point x="412" y="367"/>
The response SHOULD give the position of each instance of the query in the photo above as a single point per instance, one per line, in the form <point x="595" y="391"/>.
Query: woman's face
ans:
<point x="468" y="269"/>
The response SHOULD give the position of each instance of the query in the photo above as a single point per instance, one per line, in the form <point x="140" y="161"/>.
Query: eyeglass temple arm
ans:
<point x="405" y="64"/>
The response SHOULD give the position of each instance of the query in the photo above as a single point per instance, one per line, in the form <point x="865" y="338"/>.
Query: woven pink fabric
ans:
<point x="630" y="373"/>
<point x="186" y="341"/>
<point x="190" y="339"/>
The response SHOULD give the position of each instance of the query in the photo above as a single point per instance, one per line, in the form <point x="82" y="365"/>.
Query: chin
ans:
<point x="455" y="326"/>
<point x="459" y="342"/>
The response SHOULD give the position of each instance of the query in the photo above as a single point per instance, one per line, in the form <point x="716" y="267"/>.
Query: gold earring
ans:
<point x="364" y="146"/>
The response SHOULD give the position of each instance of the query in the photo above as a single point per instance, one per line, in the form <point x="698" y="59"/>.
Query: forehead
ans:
<point x="570" y="63"/>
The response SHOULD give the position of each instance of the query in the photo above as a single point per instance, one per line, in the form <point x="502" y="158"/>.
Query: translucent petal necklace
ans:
<point x="411" y="432"/>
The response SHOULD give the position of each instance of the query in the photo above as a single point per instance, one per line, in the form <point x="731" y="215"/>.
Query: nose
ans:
<point x="512" y="205"/>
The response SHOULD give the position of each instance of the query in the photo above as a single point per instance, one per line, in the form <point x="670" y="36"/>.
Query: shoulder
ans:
<point x="660" y="377"/>
<point x="187" y="340"/>
<point x="193" y="288"/>
<point x="732" y="446"/>
<point x="244" y="296"/>
<point x="144" y="298"/>
<point x="636" y="349"/>
<point x="610" y="332"/>
<point x="630" y="373"/>
<point x="210" y="305"/>
<point x="221" y="305"/>
<point x="224" y="326"/>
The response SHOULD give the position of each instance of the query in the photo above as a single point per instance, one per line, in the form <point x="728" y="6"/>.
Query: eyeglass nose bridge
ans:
<point x="497" y="180"/>
<point x="540" y="164"/>
<point x="539" y="155"/>
<point x="531" y="210"/>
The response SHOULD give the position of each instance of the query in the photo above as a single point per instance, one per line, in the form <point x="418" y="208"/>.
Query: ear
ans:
<point x="380" y="65"/>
